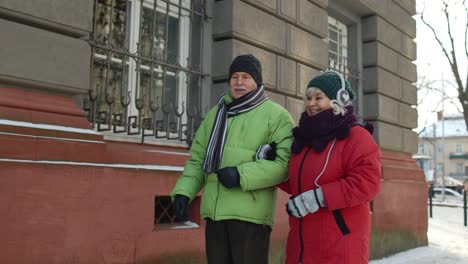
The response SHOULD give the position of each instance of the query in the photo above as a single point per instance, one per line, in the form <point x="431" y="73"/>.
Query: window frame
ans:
<point x="439" y="147"/>
<point x="341" y="42"/>
<point x="133" y="45"/>
<point x="459" y="168"/>
<point x="164" y="218"/>
<point x="354" y="49"/>
<point x="421" y="148"/>
<point x="126" y="83"/>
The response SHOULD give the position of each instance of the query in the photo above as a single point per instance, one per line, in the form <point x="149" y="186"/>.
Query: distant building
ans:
<point x="443" y="149"/>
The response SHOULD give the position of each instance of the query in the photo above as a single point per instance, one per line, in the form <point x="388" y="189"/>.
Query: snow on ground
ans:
<point x="448" y="241"/>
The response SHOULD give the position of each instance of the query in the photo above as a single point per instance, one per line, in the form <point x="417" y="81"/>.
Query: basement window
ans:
<point x="164" y="218"/>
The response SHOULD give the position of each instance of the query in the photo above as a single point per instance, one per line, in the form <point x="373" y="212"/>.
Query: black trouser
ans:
<point x="236" y="242"/>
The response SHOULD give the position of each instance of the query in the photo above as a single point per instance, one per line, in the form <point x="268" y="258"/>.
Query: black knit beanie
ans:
<point x="249" y="64"/>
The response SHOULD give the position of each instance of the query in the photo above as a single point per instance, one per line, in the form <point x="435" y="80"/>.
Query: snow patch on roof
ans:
<point x="453" y="126"/>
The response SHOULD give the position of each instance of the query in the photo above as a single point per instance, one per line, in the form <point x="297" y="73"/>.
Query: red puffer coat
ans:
<point x="339" y="233"/>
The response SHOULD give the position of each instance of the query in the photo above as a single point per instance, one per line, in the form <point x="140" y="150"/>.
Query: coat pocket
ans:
<point x="340" y="222"/>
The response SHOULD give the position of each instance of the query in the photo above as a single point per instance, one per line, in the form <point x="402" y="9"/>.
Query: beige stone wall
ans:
<point x="389" y="74"/>
<point x="289" y="37"/>
<point x="448" y="146"/>
<point x="44" y="45"/>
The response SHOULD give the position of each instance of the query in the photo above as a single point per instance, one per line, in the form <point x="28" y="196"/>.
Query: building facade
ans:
<point x="99" y="101"/>
<point x="444" y="145"/>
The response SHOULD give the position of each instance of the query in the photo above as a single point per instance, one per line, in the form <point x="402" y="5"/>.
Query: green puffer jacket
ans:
<point x="255" y="200"/>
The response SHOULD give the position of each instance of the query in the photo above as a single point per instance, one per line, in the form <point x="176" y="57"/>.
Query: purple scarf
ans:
<point x="316" y="131"/>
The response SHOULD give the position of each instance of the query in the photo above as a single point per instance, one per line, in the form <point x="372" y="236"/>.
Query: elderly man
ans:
<point x="231" y="160"/>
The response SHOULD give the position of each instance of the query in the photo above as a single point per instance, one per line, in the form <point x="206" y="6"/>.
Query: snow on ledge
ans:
<point x="126" y="166"/>
<point x="48" y="127"/>
<point x="53" y="138"/>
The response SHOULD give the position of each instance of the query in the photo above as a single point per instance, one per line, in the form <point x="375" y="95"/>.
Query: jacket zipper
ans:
<point x="299" y="192"/>
<point x="216" y="204"/>
<point x="218" y="185"/>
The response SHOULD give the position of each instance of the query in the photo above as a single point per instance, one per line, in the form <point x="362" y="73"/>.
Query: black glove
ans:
<point x="267" y="151"/>
<point x="180" y="207"/>
<point x="229" y="177"/>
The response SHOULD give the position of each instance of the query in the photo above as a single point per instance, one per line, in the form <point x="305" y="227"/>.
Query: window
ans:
<point x="459" y="148"/>
<point x="421" y="148"/>
<point x="146" y="67"/>
<point x="337" y="44"/>
<point x="439" y="147"/>
<point x="164" y="217"/>
<point x="343" y="52"/>
<point x="440" y="167"/>
<point x="459" y="168"/>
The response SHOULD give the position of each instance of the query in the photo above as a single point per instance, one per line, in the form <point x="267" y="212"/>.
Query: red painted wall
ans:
<point x="65" y="213"/>
<point x="79" y="214"/>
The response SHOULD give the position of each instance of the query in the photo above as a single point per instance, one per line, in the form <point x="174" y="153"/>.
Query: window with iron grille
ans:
<point x="337" y="44"/>
<point x="146" y="68"/>
<point x="339" y="54"/>
<point x="164" y="217"/>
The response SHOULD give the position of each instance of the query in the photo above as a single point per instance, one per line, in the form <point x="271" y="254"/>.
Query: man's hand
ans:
<point x="267" y="151"/>
<point x="229" y="177"/>
<point x="305" y="203"/>
<point x="180" y="207"/>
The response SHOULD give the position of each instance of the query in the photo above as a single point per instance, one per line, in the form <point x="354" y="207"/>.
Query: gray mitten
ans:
<point x="306" y="203"/>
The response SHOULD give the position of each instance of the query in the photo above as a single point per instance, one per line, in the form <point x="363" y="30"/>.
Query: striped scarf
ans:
<point x="214" y="150"/>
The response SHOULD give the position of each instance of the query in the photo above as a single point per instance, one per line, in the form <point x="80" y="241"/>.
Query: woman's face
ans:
<point x="316" y="101"/>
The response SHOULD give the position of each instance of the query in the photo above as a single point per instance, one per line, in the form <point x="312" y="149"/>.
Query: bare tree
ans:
<point x="431" y="88"/>
<point x="446" y="40"/>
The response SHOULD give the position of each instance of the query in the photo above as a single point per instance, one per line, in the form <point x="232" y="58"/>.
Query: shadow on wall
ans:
<point x="179" y="258"/>
<point x="277" y="256"/>
<point x="387" y="243"/>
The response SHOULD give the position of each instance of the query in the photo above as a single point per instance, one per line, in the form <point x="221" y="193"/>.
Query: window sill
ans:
<point x="148" y="140"/>
<point x="176" y="226"/>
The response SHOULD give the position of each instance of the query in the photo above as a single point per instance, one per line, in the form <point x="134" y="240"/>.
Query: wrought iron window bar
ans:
<point x="163" y="212"/>
<point x="146" y="79"/>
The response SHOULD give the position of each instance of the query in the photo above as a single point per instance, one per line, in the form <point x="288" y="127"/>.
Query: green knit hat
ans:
<point x="330" y="83"/>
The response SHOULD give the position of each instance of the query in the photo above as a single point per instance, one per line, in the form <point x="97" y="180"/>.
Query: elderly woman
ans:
<point x="333" y="174"/>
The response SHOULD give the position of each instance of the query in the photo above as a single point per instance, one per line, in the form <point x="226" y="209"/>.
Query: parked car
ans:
<point x="450" y="195"/>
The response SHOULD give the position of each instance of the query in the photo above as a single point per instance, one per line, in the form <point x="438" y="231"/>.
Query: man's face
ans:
<point x="241" y="83"/>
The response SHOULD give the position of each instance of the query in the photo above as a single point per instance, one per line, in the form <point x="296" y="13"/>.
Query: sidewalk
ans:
<point x="448" y="241"/>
